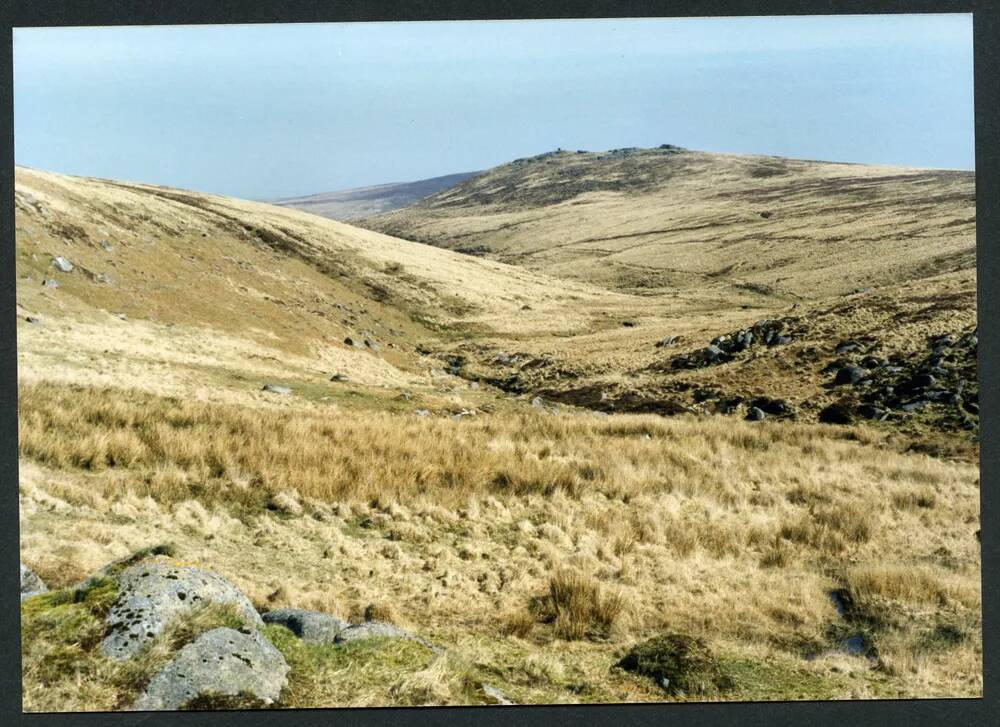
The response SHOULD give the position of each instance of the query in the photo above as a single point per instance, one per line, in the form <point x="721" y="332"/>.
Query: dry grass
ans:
<point x="339" y="498"/>
<point x="726" y="531"/>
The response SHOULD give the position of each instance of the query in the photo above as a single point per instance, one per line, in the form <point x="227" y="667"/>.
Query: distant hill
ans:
<point x="349" y="204"/>
<point x="673" y="219"/>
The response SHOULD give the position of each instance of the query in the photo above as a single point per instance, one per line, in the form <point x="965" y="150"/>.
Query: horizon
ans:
<point x="367" y="104"/>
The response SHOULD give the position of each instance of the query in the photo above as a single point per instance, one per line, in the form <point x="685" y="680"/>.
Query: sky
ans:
<point x="269" y="111"/>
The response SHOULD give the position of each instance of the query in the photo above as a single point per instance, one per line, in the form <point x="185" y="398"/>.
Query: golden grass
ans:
<point x="720" y="529"/>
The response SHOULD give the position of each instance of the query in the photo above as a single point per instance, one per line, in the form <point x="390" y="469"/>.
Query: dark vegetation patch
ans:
<point x="680" y="664"/>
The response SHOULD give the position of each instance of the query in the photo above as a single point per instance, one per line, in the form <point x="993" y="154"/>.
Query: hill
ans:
<point x="670" y="219"/>
<point x="534" y="473"/>
<point x="348" y="204"/>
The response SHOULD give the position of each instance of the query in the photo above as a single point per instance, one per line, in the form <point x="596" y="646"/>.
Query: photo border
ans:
<point x="986" y="20"/>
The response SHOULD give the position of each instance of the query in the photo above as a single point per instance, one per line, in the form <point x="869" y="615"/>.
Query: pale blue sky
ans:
<point x="280" y="110"/>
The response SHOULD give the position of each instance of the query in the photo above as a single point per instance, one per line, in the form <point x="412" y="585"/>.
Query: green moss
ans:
<point x="328" y="674"/>
<point x="212" y="701"/>
<point x="774" y="679"/>
<point x="60" y="632"/>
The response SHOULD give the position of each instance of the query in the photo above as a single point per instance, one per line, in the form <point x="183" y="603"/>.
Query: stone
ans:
<point x="62" y="264"/>
<point x="850" y="375"/>
<point x="713" y="353"/>
<point x="31" y="584"/>
<point x="338" y="377"/>
<point x="276" y="389"/>
<point x="835" y="414"/>
<point x="774" y="407"/>
<point x="152" y="594"/>
<point x="846" y="347"/>
<point x="755" y="414"/>
<point x="422" y="413"/>
<point x="105" y="245"/>
<point x="371" y="630"/>
<point x="50" y="283"/>
<point x="870" y="411"/>
<point x="312" y="627"/>
<point x="33" y="319"/>
<point x="494" y="695"/>
<point x="538" y="402"/>
<point x="103" y="278"/>
<point x="916" y="405"/>
<point x="666" y="341"/>
<point x="372" y="345"/>
<point x="220" y="662"/>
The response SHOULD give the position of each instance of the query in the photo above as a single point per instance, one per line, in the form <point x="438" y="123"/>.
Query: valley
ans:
<point x="700" y="393"/>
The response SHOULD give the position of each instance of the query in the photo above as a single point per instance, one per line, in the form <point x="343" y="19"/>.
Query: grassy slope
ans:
<point x="708" y="244"/>
<point x="676" y="219"/>
<point x="338" y="496"/>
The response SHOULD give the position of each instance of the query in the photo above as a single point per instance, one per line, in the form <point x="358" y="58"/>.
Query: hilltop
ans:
<point x="668" y="219"/>
<point x="356" y="202"/>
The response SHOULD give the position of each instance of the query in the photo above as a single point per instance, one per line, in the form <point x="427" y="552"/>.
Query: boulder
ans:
<point x="310" y="626"/>
<point x="835" y="414"/>
<point x="62" y="264"/>
<point x="850" y="375"/>
<point x="31" y="584"/>
<point x="755" y="414"/>
<point x="276" y="389"/>
<point x="220" y="662"/>
<point x="870" y="411"/>
<point x="153" y="594"/>
<point x="713" y="353"/>
<point x="538" y="402"/>
<point x="774" y="407"/>
<point x="846" y="347"/>
<point x="372" y="345"/>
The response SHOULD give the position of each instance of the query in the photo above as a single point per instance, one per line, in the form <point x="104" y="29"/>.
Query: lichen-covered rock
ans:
<point x="310" y="626"/>
<point x="222" y="661"/>
<point x="381" y="630"/>
<point x="30" y="583"/>
<point x="277" y="389"/>
<point x="371" y="630"/>
<point x="152" y="594"/>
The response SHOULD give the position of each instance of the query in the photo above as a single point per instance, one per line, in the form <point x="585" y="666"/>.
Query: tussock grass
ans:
<point x="264" y="457"/>
<point x="730" y="533"/>
<point x="580" y="606"/>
